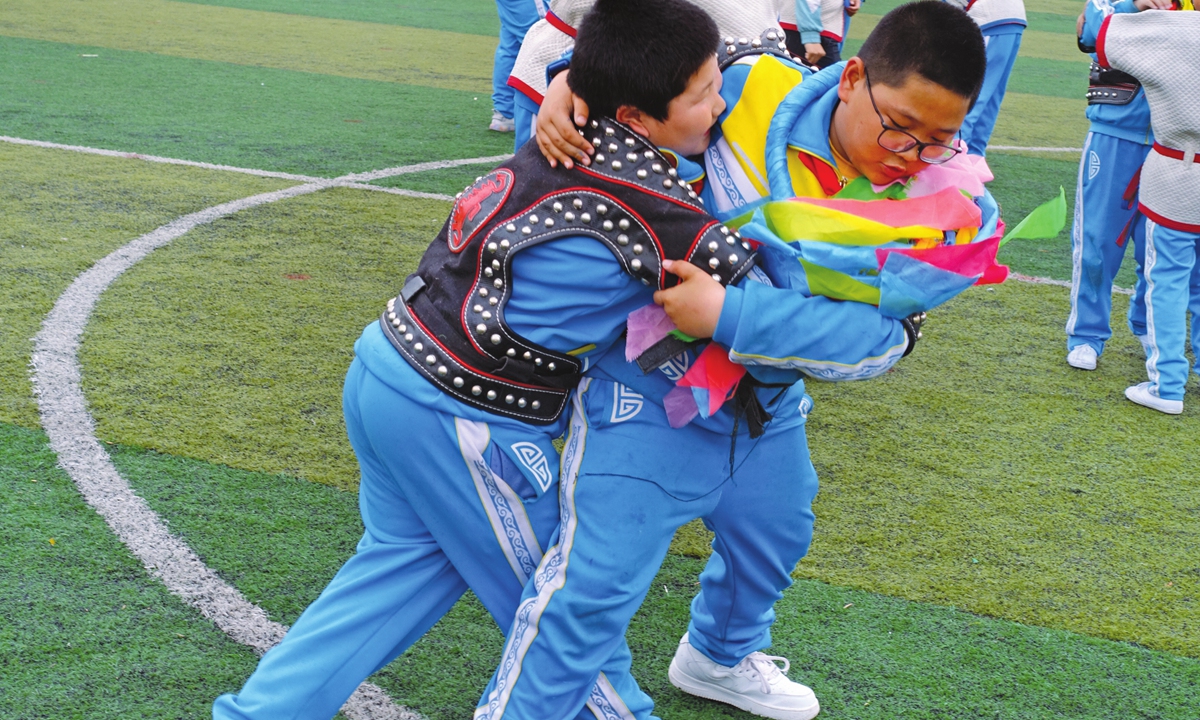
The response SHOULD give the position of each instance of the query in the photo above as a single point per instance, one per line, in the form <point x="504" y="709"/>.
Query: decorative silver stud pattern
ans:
<point x="459" y="382"/>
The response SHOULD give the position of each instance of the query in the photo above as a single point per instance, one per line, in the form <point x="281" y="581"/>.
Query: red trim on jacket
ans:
<point x="1101" y="37"/>
<point x="558" y="23"/>
<point x="826" y="174"/>
<point x="1172" y="153"/>
<point x="517" y="84"/>
<point x="831" y="35"/>
<point x="789" y="26"/>
<point x="1167" y="222"/>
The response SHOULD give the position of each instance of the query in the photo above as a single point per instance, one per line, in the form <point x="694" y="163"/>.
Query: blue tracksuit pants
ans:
<point x="443" y="511"/>
<point x="525" y="117"/>
<point x="1105" y="223"/>
<point x="1003" y="42"/>
<point x="628" y="481"/>
<point x="1171" y="257"/>
<point x="516" y="17"/>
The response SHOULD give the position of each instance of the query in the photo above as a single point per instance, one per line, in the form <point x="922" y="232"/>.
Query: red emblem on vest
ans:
<point x="477" y="206"/>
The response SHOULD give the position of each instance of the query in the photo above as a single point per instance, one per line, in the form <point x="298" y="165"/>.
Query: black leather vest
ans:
<point x="448" y="321"/>
<point x="1111" y="87"/>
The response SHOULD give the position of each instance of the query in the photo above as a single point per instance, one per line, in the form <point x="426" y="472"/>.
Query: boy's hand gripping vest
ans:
<point x="448" y="321"/>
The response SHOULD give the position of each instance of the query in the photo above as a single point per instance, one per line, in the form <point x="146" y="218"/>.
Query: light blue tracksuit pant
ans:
<point x="516" y="17"/>
<point x="1003" y="42"/>
<point x="444" y="510"/>
<point x="1105" y="224"/>
<point x="1171" y="258"/>
<point x="628" y="481"/>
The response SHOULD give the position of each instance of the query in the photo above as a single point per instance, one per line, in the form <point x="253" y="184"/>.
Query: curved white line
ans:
<point x="71" y="429"/>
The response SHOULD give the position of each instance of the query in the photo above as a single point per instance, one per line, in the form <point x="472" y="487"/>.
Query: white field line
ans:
<point x="1062" y="283"/>
<point x="71" y="429"/>
<point x="355" y="180"/>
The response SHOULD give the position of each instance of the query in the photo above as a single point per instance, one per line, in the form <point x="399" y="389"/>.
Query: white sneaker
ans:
<point x="1082" y="357"/>
<point x="756" y="684"/>
<point x="501" y="123"/>
<point x="1143" y="395"/>
<point x="1145" y="341"/>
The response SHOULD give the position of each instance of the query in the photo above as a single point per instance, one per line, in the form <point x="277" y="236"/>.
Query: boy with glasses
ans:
<point x="629" y="481"/>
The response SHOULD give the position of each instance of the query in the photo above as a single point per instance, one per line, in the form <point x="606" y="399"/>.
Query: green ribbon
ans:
<point x="1046" y="221"/>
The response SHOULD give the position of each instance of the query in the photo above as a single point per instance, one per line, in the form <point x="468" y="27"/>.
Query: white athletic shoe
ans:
<point x="501" y="123"/>
<point x="1082" y="357"/>
<point x="1143" y="395"/>
<point x="1145" y="341"/>
<point x="756" y="684"/>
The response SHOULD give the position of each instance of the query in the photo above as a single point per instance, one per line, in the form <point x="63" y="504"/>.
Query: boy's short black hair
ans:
<point x="936" y="40"/>
<point x="640" y="53"/>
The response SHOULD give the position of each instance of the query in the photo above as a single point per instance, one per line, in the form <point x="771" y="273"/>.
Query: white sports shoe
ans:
<point x="501" y="123"/>
<point x="1145" y="341"/>
<point x="1082" y="357"/>
<point x="1143" y="395"/>
<point x="756" y="684"/>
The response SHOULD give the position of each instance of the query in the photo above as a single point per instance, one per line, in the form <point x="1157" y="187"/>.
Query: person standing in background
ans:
<point x="548" y="45"/>
<point x="516" y="17"/>
<point x="1158" y="48"/>
<point x="1002" y="23"/>
<point x="816" y="29"/>
<point x="1106" y="216"/>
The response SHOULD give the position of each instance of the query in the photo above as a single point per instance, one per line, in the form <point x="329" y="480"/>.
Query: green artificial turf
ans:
<point x="1022" y="183"/>
<point x="1052" y="78"/>
<point x="85" y="632"/>
<point x="235" y="115"/>
<point x="465" y="16"/>
<point x="69" y="648"/>
<point x="250" y="324"/>
<point x="368" y="51"/>
<point x="985" y="473"/>
<point x="62" y="211"/>
<point x="449" y="181"/>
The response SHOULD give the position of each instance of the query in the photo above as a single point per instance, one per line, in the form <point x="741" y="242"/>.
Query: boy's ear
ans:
<point x="853" y="77"/>
<point x="634" y="118"/>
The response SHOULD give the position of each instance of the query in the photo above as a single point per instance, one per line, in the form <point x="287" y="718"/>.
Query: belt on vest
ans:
<point x="1111" y="87"/>
<point x="528" y="403"/>
<point x="1176" y="154"/>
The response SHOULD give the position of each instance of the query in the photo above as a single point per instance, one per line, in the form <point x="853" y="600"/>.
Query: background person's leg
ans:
<point x="1170" y="258"/>
<point x="516" y="17"/>
<point x="981" y="120"/>
<point x="1102" y="217"/>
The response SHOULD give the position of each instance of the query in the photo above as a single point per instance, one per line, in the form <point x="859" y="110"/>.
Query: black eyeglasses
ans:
<point x="893" y="139"/>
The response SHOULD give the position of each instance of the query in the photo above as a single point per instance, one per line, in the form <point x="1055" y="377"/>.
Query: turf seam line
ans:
<point x="355" y="180"/>
<point x="71" y="429"/>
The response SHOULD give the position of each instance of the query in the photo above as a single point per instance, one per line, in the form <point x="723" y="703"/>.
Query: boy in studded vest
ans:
<point x="1139" y="44"/>
<point x="629" y="480"/>
<point x="455" y="395"/>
